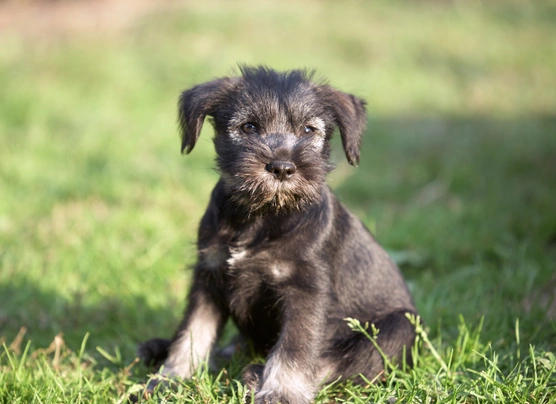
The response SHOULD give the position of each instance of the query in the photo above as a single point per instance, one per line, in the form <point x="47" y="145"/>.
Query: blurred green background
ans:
<point x="98" y="210"/>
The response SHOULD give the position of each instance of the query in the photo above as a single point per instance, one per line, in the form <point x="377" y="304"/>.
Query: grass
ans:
<point x="98" y="211"/>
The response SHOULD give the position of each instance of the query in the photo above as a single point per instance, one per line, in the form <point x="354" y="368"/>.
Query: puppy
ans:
<point x="277" y="251"/>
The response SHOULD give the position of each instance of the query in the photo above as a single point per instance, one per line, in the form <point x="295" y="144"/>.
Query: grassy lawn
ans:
<point x="98" y="210"/>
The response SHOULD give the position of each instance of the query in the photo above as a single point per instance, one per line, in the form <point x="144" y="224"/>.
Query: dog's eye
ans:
<point x="308" y="130"/>
<point x="249" y="129"/>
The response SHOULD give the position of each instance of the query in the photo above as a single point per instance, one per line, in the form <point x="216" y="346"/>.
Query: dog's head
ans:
<point x="273" y="134"/>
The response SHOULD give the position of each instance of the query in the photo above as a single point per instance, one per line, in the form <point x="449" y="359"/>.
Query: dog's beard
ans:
<point x="259" y="192"/>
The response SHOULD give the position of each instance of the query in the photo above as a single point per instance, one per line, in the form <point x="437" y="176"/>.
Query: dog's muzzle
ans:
<point x="282" y="170"/>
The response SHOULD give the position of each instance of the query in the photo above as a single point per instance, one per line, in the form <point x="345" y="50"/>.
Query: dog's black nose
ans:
<point x="282" y="170"/>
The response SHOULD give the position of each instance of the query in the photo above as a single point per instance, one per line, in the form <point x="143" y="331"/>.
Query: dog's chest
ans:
<point x="271" y="268"/>
<point x="258" y="264"/>
<point x="250" y="277"/>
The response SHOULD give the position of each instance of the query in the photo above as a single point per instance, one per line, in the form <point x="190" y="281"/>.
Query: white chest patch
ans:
<point x="236" y="255"/>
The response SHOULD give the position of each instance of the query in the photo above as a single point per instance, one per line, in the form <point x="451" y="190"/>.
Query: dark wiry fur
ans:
<point x="277" y="251"/>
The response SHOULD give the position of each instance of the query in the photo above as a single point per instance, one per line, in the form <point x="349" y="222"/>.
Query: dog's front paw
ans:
<point x="280" y="396"/>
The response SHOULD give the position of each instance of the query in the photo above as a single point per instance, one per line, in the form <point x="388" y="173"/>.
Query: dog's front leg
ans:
<point x="289" y="376"/>
<point x="195" y="336"/>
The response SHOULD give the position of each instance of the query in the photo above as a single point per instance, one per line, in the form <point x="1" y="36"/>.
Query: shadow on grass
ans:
<point x="112" y="324"/>
<point x="456" y="188"/>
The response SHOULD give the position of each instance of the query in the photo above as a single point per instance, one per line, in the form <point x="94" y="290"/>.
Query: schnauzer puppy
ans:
<point x="277" y="251"/>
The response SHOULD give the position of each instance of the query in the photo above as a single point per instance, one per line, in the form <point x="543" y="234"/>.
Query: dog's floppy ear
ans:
<point x="195" y="104"/>
<point x="351" y="118"/>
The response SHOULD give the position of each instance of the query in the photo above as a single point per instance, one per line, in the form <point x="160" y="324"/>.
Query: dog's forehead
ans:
<point x="276" y="100"/>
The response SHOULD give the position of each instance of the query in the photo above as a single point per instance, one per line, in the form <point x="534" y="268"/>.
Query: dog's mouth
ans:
<point x="263" y="192"/>
<point x="285" y="195"/>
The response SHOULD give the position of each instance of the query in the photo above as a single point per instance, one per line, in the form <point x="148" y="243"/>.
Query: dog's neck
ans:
<point x="267" y="224"/>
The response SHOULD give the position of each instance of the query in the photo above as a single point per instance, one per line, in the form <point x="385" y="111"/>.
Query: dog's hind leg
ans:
<point x="357" y="355"/>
